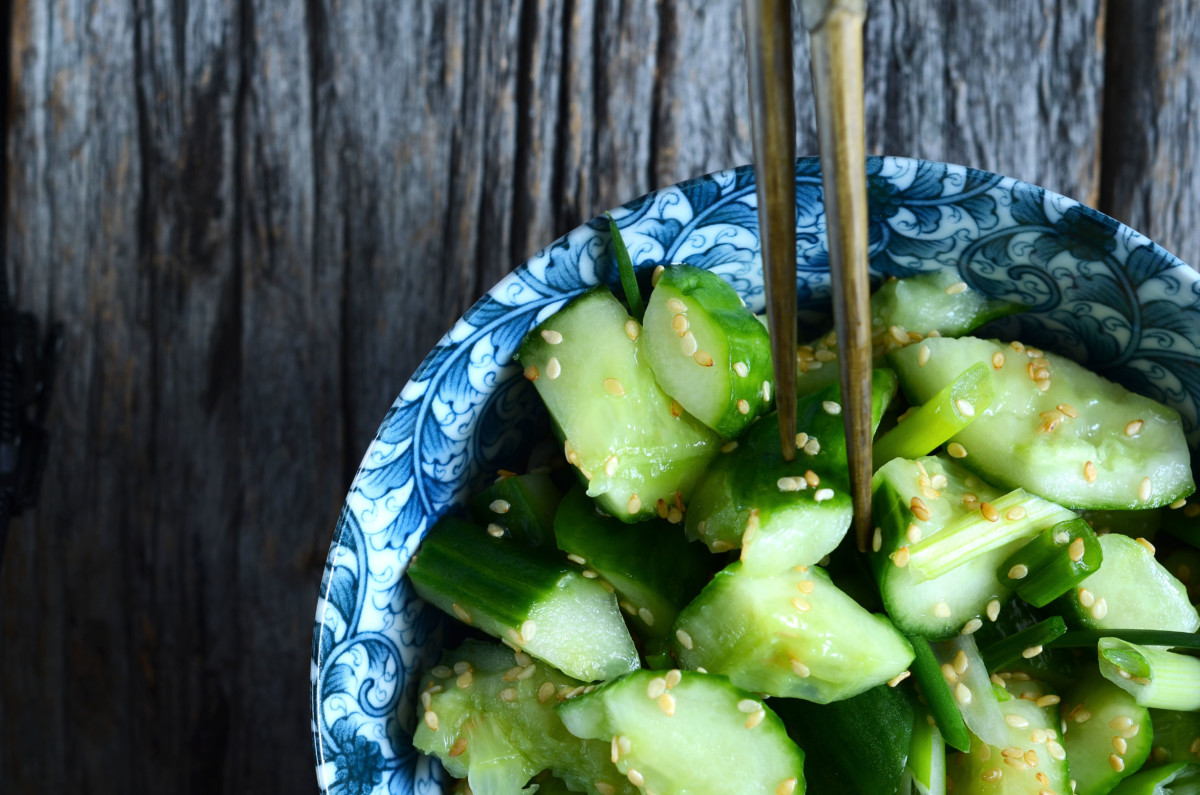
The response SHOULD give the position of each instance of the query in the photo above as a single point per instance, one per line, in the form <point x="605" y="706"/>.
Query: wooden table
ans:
<point x="255" y="216"/>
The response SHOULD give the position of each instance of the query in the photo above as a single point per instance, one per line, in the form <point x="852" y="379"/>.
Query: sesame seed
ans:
<point x="656" y="275"/>
<point x="1089" y="472"/>
<point x="582" y="561"/>
<point x="919" y="509"/>
<point x="900" y="557"/>
<point x="442" y="672"/>
<point x="1068" y="409"/>
<point x="1015" y="513"/>
<point x="1116" y="762"/>
<point x="1038" y="736"/>
<point x="1119" y="745"/>
<point x="1075" y="551"/>
<point x="922" y="355"/>
<point x="831" y="406"/>
<point x="631" y="330"/>
<point x="459" y="746"/>
<point x="1031" y="758"/>
<point x="877" y="539"/>
<point x="801" y="604"/>
<point x="531" y="373"/>
<point x="823" y="494"/>
<point x="1048" y="701"/>
<point x="462" y="614"/>
<point x="961" y="663"/>
<point x="913" y="534"/>
<point x="789" y="484"/>
<point x="1011" y="752"/>
<point x="1043" y="383"/>
<point x="589" y="574"/>
<point x="991" y="774"/>
<point x="899" y="335"/>
<point x="604" y="788"/>
<point x="956" y="288"/>
<point x="997" y="681"/>
<point x="962" y="694"/>
<point x="824" y="356"/>
<point x="1018" y="571"/>
<point x="624" y="744"/>
<point x="748" y="705"/>
<point x="964" y="407"/>
<point x="1086" y="598"/>
<point x="1031" y="652"/>
<point x="675" y="305"/>
<point x="729" y="447"/>
<point x="614" y="387"/>
<point x="800" y="669"/>
<point x="811" y="478"/>
<point x="812" y="446"/>
<point x="1062" y="537"/>
<point x="610" y="465"/>
<point x="939" y="481"/>
<point x="948" y="673"/>
<point x="431" y="719"/>
<point x="634" y="505"/>
<point x="545" y="692"/>
<point x="1133" y="428"/>
<point x="464" y="680"/>
<point x="676" y="409"/>
<point x="997" y="360"/>
<point x="755" y="719"/>
<point x="898" y="678"/>
<point x="743" y="406"/>
<point x="656" y="688"/>
<point x="806" y="586"/>
<point x="989" y="512"/>
<point x="1145" y="489"/>
<point x="766" y="391"/>
<point x="993" y="609"/>
<point x="703" y="358"/>
<point x="688" y="344"/>
<point x="551" y="336"/>
<point x="635" y="778"/>
<point x="1056" y="751"/>
<point x="666" y="702"/>
<point x="1082" y="716"/>
<point x="786" y="787"/>
<point x="1100" y="609"/>
<point x="495" y="531"/>
<point x="1120" y="723"/>
<point x="1016" y="721"/>
<point x="646" y="616"/>
<point x="680" y="324"/>
<point x="956" y="450"/>
<point x="742" y="369"/>
<point x="528" y="630"/>
<point x="941" y="610"/>
<point x="971" y="627"/>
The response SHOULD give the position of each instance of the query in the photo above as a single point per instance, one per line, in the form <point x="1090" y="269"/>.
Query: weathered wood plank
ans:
<point x="1151" y="138"/>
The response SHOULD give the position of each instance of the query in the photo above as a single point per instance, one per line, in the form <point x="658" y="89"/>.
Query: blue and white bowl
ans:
<point x="1097" y="291"/>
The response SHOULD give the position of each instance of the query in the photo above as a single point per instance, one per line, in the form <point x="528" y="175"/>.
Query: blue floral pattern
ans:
<point x="1097" y="291"/>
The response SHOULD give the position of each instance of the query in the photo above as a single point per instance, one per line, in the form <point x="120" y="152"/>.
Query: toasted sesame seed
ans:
<point x="920" y="510"/>
<point x="666" y="702"/>
<point x="939" y="481"/>
<point x="531" y="373"/>
<point x="646" y="616"/>
<point x="1100" y="609"/>
<point x="442" y="672"/>
<point x="1048" y="701"/>
<point x="765" y="391"/>
<point x="997" y="681"/>
<point x="957" y="288"/>
<point x="680" y="324"/>
<point x="688" y="344"/>
<point x="495" y="531"/>
<point x="1038" y="736"/>
<point x="899" y="335"/>
<point x="703" y="358"/>
<point x="831" y="406"/>
<point x="528" y="629"/>
<point x="941" y="610"/>
<point x="1085" y="597"/>
<point x="806" y="586"/>
<point x="962" y="694"/>
<point x="742" y="369"/>
<point x="898" y="678"/>
<point x="1018" y="571"/>
<point x="1089" y="472"/>
<point x="1075" y="551"/>
<point x="748" y="705"/>
<point x="604" y="788"/>
<point x="964" y="407"/>
<point x="991" y="774"/>
<point x="790" y="484"/>
<point x="1016" y="721"/>
<point x="961" y="663"/>
<point x="923" y="355"/>
<point x="900" y="557"/>
<point x="993" y="609"/>
<point x="676" y="409"/>
<point x="1116" y="762"/>
<point x="1134" y="427"/>
<point x="1082" y="715"/>
<point x="610" y="465"/>
<point x="1012" y="752"/>
<point x="1119" y="745"/>
<point x="1056" y="751"/>
<point x="656" y="687"/>
<point x="956" y="450"/>
<point x="685" y="640"/>
<point x="590" y="574"/>
<point x="755" y="718"/>
<point x="801" y="604"/>
<point x="545" y="692"/>
<point x="656" y="275"/>
<point x="614" y="387"/>
<point x="1031" y="758"/>
<point x="811" y="478"/>
<point x="877" y="539"/>
<point x="913" y="534"/>
<point x="675" y="305"/>
<point x="1015" y="513"/>
<point x="462" y="614"/>
<point x="743" y="406"/>
<point x="823" y="356"/>
<point x="1030" y="652"/>
<point x="971" y="627"/>
<point x="800" y="669"/>
<point x="634" y="505"/>
<point x="1145" y="489"/>
<point x="631" y="329"/>
<point x="823" y="494"/>
<point x="431" y="719"/>
<point x="812" y="446"/>
<point x="948" y="672"/>
<point x="635" y="778"/>
<point x="989" y="512"/>
<point x="786" y="787"/>
<point x="1120" y="723"/>
<point x="997" y="360"/>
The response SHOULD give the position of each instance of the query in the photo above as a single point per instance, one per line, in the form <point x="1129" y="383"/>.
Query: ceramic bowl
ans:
<point x="1097" y="291"/>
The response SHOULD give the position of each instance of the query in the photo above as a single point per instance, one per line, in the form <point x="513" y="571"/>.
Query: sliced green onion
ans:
<point x="1088" y="638"/>
<point x="1179" y="778"/>
<point x="928" y="674"/>
<point x="1155" y="678"/>
<point x="936" y="421"/>
<point x="1019" y="645"/>
<point x="1016" y="515"/>
<point x="927" y="757"/>
<point x="1054" y="562"/>
<point x="633" y="295"/>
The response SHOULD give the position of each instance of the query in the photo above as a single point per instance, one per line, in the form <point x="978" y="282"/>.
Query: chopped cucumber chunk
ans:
<point x="1107" y="735"/>
<point x="707" y="350"/>
<point x="1180" y="778"/>
<point x="632" y="444"/>
<point x="689" y="733"/>
<point x="1132" y="590"/>
<point x="783" y="514"/>
<point x="521" y="506"/>
<point x="788" y="634"/>
<point x="524" y="599"/>
<point x="1176" y="736"/>
<point x="1056" y="429"/>
<point x="1030" y="760"/>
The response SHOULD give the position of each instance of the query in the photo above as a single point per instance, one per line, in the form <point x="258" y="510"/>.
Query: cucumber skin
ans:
<point x="532" y="500"/>
<point x="1181" y="778"/>
<point x="659" y="452"/>
<point x="793" y="529"/>
<point x="1005" y="447"/>
<point x="746" y="342"/>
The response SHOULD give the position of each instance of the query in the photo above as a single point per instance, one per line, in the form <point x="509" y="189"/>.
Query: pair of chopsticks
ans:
<point x="835" y="35"/>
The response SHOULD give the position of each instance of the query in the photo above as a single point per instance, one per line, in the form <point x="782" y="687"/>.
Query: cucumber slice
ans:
<point x="788" y="634"/>
<point x="1069" y="436"/>
<point x="1032" y="759"/>
<point x="1107" y="735"/>
<point x="689" y="733"/>
<point x="794" y="513"/>
<point x="1132" y="590"/>
<point x="904" y="311"/>
<point x="488" y="715"/>
<point x="1176" y="736"/>
<point x="860" y="744"/>
<point x="1177" y="779"/>
<point x="707" y="350"/>
<point x="631" y="443"/>
<point x="930" y="512"/>
<point x="524" y="599"/>
<point x="653" y="568"/>
<point x="521" y="506"/>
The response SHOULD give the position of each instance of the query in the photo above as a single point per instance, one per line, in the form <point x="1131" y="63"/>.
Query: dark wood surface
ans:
<point x="255" y="216"/>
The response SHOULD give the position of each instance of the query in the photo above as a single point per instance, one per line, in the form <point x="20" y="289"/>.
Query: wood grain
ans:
<point x="254" y="218"/>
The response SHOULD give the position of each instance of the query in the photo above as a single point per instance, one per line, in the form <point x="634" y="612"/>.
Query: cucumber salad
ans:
<point x="662" y="604"/>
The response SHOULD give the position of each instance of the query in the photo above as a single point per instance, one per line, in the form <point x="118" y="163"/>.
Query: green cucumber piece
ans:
<point x="921" y="509"/>
<point x="707" y="350"/>
<point x="788" y="634"/>
<point x="1081" y="441"/>
<point x="1039" y="762"/>
<point x="653" y="568"/>
<point x="1154" y="677"/>
<point x="793" y="513"/>
<point x="1054" y="562"/>
<point x="689" y="733"/>
<point x="521" y="506"/>
<point x="631" y="443"/>
<point x="860" y="744"/>
<point x="1176" y="737"/>
<point x="1132" y="590"/>
<point x="1180" y="778"/>
<point x="931" y="424"/>
<point x="488" y="714"/>
<point x="524" y="599"/>
<point x="1107" y="735"/>
<point x="904" y="311"/>
<point x="968" y="678"/>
